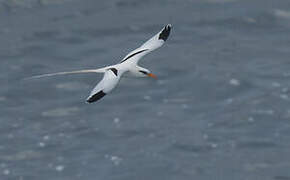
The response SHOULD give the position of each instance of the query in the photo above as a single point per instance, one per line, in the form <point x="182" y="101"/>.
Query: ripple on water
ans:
<point x="59" y="112"/>
<point x="282" y="177"/>
<point x="23" y="155"/>
<point x="72" y="86"/>
<point x="194" y="148"/>
<point x="282" y="14"/>
<point x="220" y="1"/>
<point x="256" y="144"/>
<point x="2" y="98"/>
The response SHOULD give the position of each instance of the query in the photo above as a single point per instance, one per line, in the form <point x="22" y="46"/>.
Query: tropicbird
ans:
<point x="129" y="64"/>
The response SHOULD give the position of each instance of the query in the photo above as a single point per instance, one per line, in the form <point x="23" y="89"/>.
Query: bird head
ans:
<point x="146" y="73"/>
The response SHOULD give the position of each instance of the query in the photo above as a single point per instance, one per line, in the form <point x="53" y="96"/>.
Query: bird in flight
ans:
<point x="129" y="64"/>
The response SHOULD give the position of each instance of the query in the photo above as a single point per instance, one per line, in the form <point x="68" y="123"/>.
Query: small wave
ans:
<point x="282" y="14"/>
<point x="59" y="112"/>
<point x="72" y="86"/>
<point x="256" y="144"/>
<point x="221" y="1"/>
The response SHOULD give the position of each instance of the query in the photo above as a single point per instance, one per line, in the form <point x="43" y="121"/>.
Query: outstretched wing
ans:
<point x="106" y="85"/>
<point x="150" y="45"/>
<point x="101" y="70"/>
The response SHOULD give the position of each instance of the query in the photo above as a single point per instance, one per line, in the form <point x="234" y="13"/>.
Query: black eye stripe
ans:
<point x="144" y="72"/>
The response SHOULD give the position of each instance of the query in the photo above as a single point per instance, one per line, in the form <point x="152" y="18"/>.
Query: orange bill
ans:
<point x="152" y="75"/>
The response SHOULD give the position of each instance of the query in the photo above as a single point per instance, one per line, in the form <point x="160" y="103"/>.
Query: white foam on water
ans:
<point x="59" y="112"/>
<point x="6" y="172"/>
<point x="284" y="96"/>
<point x="213" y="145"/>
<point x="205" y="136"/>
<point x="264" y="111"/>
<point x="116" y="120"/>
<point x="184" y="106"/>
<point x="10" y="136"/>
<point x="59" y="168"/>
<point x="229" y="101"/>
<point x="176" y="100"/>
<point x="234" y="82"/>
<point x="46" y="137"/>
<point x="250" y="20"/>
<point x="147" y="98"/>
<point x="115" y="159"/>
<point x="160" y="113"/>
<point x="41" y="144"/>
<point x="161" y="82"/>
<point x="276" y="84"/>
<point x="282" y="13"/>
<point x="251" y="119"/>
<point x="220" y="1"/>
<point x="71" y="86"/>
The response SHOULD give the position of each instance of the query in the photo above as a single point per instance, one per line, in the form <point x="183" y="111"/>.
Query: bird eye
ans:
<point x="144" y="72"/>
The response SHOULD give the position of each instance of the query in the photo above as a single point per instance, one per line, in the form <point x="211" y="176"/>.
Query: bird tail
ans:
<point x="102" y="70"/>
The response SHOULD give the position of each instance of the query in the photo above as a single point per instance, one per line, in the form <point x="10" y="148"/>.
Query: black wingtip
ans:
<point x="96" y="97"/>
<point x="165" y="32"/>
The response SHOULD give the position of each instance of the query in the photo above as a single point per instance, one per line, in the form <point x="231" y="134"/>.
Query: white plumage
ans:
<point x="129" y="63"/>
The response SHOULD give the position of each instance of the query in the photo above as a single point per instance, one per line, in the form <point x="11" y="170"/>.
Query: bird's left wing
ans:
<point x="106" y="85"/>
<point x="150" y="45"/>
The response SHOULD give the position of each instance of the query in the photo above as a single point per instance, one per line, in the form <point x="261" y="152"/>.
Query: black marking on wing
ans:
<point x="96" y="97"/>
<point x="144" y="72"/>
<point x="133" y="55"/>
<point x="165" y="33"/>
<point x="114" y="70"/>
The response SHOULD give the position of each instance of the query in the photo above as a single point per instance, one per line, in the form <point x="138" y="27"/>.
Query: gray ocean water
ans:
<point x="220" y="109"/>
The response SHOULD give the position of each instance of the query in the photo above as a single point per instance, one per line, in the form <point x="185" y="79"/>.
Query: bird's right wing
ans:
<point x="150" y="45"/>
<point x="106" y="85"/>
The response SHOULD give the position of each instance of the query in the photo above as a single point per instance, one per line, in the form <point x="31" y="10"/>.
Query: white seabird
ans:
<point x="113" y="73"/>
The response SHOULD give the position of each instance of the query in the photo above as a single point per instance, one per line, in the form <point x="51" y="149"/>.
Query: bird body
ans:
<point x="129" y="64"/>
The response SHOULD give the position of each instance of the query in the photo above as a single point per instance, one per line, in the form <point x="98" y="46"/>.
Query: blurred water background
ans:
<point x="219" y="109"/>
